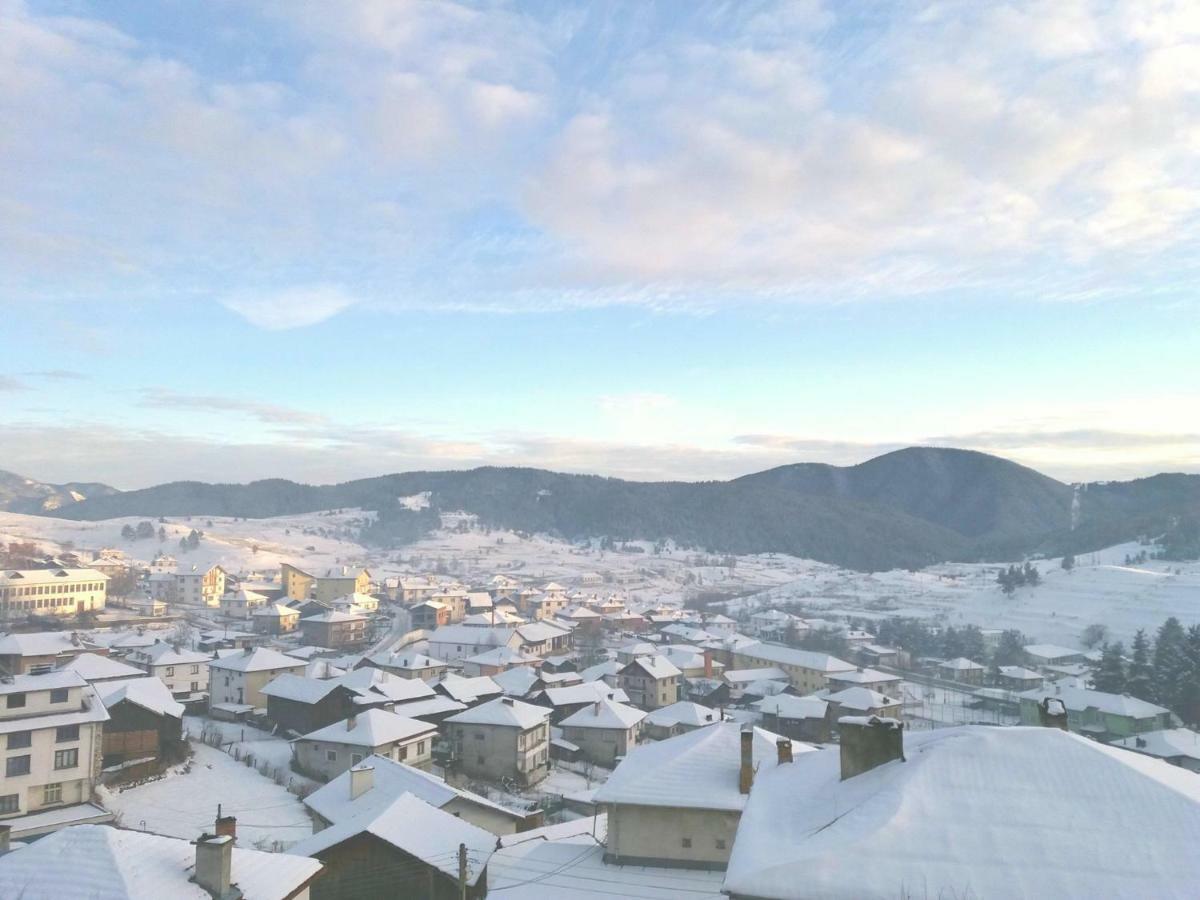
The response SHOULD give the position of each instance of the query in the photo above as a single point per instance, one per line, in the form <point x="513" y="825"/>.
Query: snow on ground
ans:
<point x="242" y="739"/>
<point x="185" y="804"/>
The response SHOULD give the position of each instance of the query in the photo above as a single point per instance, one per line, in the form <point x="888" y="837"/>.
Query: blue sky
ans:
<point x="666" y="240"/>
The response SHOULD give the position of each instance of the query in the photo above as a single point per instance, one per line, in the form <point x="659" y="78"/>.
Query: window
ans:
<point x="10" y="803"/>
<point x="58" y="695"/>
<point x="479" y="735"/>
<point x="170" y="670"/>
<point x="65" y="733"/>
<point x="720" y="843"/>
<point x="16" y="701"/>
<point x="52" y="793"/>
<point x="66" y="759"/>
<point x="16" y="765"/>
<point x="687" y="842"/>
<point x="331" y="756"/>
<point x="404" y="753"/>
<point x="480" y="760"/>
<point x="19" y="739"/>
<point x="195" y="670"/>
<point x="195" y="686"/>
<point x="355" y="759"/>
<point x="420" y="747"/>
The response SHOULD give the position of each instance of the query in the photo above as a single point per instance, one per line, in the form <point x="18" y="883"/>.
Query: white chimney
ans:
<point x="362" y="779"/>
<point x="214" y="863"/>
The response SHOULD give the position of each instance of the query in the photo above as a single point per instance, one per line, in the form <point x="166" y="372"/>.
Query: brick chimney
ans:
<point x="362" y="779"/>
<point x="214" y="865"/>
<point x="708" y="666"/>
<point x="869" y="741"/>
<point x="225" y="826"/>
<point x="1052" y="713"/>
<point x="783" y="747"/>
<point x="351" y="721"/>
<point x="746" y="769"/>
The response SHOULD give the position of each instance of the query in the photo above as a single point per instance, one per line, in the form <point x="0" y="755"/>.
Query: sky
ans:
<point x="679" y="240"/>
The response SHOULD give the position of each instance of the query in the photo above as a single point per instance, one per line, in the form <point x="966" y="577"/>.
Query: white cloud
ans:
<point x="294" y="307"/>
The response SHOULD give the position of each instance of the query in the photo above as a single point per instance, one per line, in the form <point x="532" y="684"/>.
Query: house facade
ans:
<point x="501" y="739"/>
<point x="184" y="672"/>
<point x="51" y="592"/>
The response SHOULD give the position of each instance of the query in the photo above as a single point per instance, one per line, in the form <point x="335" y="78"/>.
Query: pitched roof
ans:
<point x="41" y="643"/>
<point x="109" y="863"/>
<point x="468" y="690"/>
<point x="413" y="661"/>
<point x="1078" y="699"/>
<point x="790" y="656"/>
<point x="694" y="770"/>
<point x="257" y="659"/>
<point x="1051" y="651"/>
<point x="1011" y="812"/>
<point x="371" y="728"/>
<point x="683" y="713"/>
<point x="960" y="664"/>
<point x="390" y="779"/>
<point x="1168" y="743"/>
<point x="517" y="681"/>
<point x="655" y="666"/>
<point x="418" y="829"/>
<point x="503" y="711"/>
<point x="604" y="714"/>
<point x="148" y="693"/>
<point x="93" y="667"/>
<point x="334" y="615"/>
<point x="858" y="698"/>
<point x="161" y="653"/>
<point x="587" y="692"/>
<point x="787" y="706"/>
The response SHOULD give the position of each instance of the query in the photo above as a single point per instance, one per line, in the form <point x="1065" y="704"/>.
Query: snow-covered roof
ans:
<point x="389" y="780"/>
<point x="410" y="661"/>
<point x="418" y="829"/>
<point x="586" y="692"/>
<point x="375" y="683"/>
<point x="1051" y="651"/>
<point x="47" y="681"/>
<point x="1168" y="743"/>
<point x="536" y="632"/>
<point x="107" y="863"/>
<point x="790" y="656"/>
<point x="93" y="667"/>
<point x="468" y="690"/>
<point x="503" y="711"/>
<point x="502" y="656"/>
<point x="639" y="648"/>
<point x="148" y="693"/>
<point x="683" y="713"/>
<point x="655" y="667"/>
<point x="299" y="688"/>
<point x="437" y="705"/>
<point x="161" y="653"/>
<point x="604" y="714"/>
<point x="1078" y="699"/>
<point x="607" y="669"/>
<point x="255" y="659"/>
<point x="993" y="812"/>
<point x="276" y="611"/>
<point x="1019" y="672"/>
<point x="858" y="698"/>
<point x="863" y="676"/>
<point x="49" y="576"/>
<point x="745" y="676"/>
<point x="961" y="664"/>
<point x="371" y="728"/>
<point x="696" y="770"/>
<point x="516" y="682"/>
<point x="332" y="616"/>
<point x="472" y="635"/>
<point x="41" y="643"/>
<point x="787" y="706"/>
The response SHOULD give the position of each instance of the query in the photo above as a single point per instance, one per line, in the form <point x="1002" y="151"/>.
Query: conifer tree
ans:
<point x="1110" y="676"/>
<point x="1140" y="677"/>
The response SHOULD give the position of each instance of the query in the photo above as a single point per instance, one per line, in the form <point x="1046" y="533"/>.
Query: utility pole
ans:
<point x="462" y="871"/>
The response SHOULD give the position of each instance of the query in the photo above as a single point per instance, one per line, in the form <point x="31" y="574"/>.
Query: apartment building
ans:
<point x="501" y="739"/>
<point x="183" y="671"/>
<point x="51" y="726"/>
<point x="200" y="587"/>
<point x="51" y="592"/>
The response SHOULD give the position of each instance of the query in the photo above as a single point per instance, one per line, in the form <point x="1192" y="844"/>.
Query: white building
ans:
<point x="332" y="750"/>
<point x="237" y="677"/>
<point x="51" y="592"/>
<point x="183" y="671"/>
<point x="52" y="726"/>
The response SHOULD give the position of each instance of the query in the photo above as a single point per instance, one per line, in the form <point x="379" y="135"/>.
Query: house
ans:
<point x="429" y="615"/>
<point x="1101" y="715"/>
<point x="226" y="639"/>
<point x="807" y="670"/>
<point x="650" y="682"/>
<point x="237" y="677"/>
<point x="1000" y="809"/>
<point x="299" y="705"/>
<point x="496" y="660"/>
<point x="1018" y="678"/>
<point x="962" y="670"/>
<point x="879" y="655"/>
<point x="868" y="678"/>
<point x="710" y="692"/>
<point x="417" y="588"/>
<point x="52" y="725"/>
<point x="50" y="592"/>
<point x="859" y="701"/>
<point x="400" y="851"/>
<point x="668" y="721"/>
<point x="568" y="699"/>
<point x="454" y="599"/>
<point x="184" y="672"/>
<point x="200" y="587"/>
<point x="275" y="618"/>
<point x="520" y="682"/>
<point x="627" y="653"/>
<point x="374" y="783"/>
<point x="334" y="629"/>
<point x="740" y="679"/>
<point x="145" y="723"/>
<point x="1178" y="746"/>
<point x="503" y="739"/>
<point x="677" y="802"/>
<point x="542" y="638"/>
<point x="469" y="690"/>
<point x="457" y="642"/>
<point x="802" y="718"/>
<point x="693" y="662"/>
<point x="330" y="751"/>
<point x="407" y="665"/>
<point x="160" y="586"/>
<point x="242" y="603"/>
<point x="297" y="584"/>
<point x="1052" y="655"/>
<point x="774" y="624"/>
<point x="340" y="581"/>
<point x="359" y="604"/>
<point x="108" y="862"/>
<point x="604" y="731"/>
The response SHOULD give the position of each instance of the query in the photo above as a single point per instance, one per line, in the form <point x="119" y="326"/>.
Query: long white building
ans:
<point x="51" y="592"/>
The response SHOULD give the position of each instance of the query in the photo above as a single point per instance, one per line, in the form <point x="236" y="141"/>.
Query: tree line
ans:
<point x="1165" y="670"/>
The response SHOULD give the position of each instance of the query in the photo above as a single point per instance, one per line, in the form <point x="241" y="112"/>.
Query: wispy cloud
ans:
<point x="57" y="375"/>
<point x="295" y="307"/>
<point x="8" y="383"/>
<point x="268" y="413"/>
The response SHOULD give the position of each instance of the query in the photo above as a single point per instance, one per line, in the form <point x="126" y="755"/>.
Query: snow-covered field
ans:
<point x="185" y="803"/>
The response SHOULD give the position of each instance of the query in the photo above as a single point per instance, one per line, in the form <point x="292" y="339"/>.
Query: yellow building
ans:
<point x="297" y="584"/>
<point x="339" y="582"/>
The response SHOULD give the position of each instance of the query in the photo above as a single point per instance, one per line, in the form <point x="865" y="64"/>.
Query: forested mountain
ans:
<point x="25" y="495"/>
<point x="907" y="508"/>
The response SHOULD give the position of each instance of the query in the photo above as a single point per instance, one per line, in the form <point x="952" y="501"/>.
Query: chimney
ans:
<point x="225" y="826"/>
<point x="708" y="667"/>
<point x="508" y="701"/>
<point x="5" y="833"/>
<point x="596" y="708"/>
<point x="746" y="770"/>
<point x="784" y="748"/>
<point x="214" y="864"/>
<point x="1052" y="713"/>
<point x="869" y="741"/>
<point x="362" y="779"/>
<point x="351" y="721"/>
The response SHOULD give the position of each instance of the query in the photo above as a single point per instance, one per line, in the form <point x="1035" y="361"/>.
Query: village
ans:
<point x="475" y="728"/>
